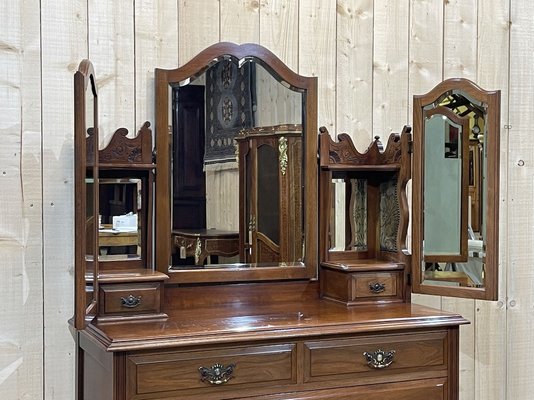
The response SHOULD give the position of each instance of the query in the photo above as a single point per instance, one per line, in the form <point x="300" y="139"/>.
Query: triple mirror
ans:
<point x="456" y="190"/>
<point x="236" y="179"/>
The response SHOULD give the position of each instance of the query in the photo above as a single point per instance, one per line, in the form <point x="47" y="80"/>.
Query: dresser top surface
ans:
<point x="240" y="323"/>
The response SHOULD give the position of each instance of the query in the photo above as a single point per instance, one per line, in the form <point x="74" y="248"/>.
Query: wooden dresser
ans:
<point x="294" y="346"/>
<point x="304" y="292"/>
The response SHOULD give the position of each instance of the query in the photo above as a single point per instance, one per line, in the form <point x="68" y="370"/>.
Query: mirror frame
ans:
<point x="234" y="272"/>
<point x="491" y="101"/>
<point x="84" y="80"/>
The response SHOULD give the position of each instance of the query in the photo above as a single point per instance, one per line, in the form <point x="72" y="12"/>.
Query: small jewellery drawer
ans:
<point x="211" y="371"/>
<point x="377" y="354"/>
<point x="362" y="287"/>
<point x="130" y="298"/>
<point x="379" y="284"/>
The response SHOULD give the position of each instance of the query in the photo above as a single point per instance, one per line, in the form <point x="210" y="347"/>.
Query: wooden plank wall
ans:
<point x="370" y="57"/>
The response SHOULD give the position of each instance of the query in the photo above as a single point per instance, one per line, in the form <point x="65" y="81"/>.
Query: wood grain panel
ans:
<point x="490" y="319"/>
<point x="222" y="199"/>
<point x="21" y="283"/>
<point x="279" y="30"/>
<point x="156" y="46"/>
<point x="520" y="251"/>
<point x="354" y="71"/>
<point x="198" y="27"/>
<point x="112" y="51"/>
<point x="390" y="67"/>
<point x="64" y="38"/>
<point x="429" y="389"/>
<point x="239" y="21"/>
<point x="317" y="54"/>
<point x="179" y="372"/>
<point x="425" y="47"/>
<point x="338" y="359"/>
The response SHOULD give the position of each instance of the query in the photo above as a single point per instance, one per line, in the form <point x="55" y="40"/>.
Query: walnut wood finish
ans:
<point x="261" y="248"/>
<point x="347" y="274"/>
<point x="195" y="67"/>
<point x="431" y="389"/>
<point x="301" y="347"/>
<point x="130" y="158"/>
<point x="265" y="332"/>
<point x="491" y="102"/>
<point x="84" y="85"/>
<point x="202" y="243"/>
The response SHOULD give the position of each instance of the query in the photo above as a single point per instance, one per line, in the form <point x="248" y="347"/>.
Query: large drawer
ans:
<point x="428" y="389"/>
<point x="376" y="355"/>
<point x="203" y="372"/>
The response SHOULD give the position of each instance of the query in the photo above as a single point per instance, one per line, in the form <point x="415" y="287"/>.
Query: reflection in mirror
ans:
<point x="119" y="220"/>
<point x="445" y="181"/>
<point x="241" y="127"/>
<point x="92" y="195"/>
<point x="237" y="145"/>
<point x="271" y="223"/>
<point x="348" y="216"/>
<point x="458" y="172"/>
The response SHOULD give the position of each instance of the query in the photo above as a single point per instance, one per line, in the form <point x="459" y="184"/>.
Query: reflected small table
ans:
<point x="108" y="237"/>
<point x="202" y="243"/>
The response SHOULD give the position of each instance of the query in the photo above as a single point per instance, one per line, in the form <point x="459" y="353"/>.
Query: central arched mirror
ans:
<point x="236" y="181"/>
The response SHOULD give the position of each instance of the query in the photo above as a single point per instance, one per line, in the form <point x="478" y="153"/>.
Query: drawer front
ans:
<point x="212" y="371"/>
<point x="430" y="389"/>
<point x="380" y="284"/>
<point x="119" y="299"/>
<point x="375" y="356"/>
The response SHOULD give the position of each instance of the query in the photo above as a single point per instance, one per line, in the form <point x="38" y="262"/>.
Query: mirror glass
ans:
<point x="236" y="146"/>
<point x="348" y="216"/>
<point x="455" y="189"/>
<point x="452" y="249"/>
<point x="237" y="156"/>
<point x="445" y="190"/>
<point x="91" y="196"/>
<point x="120" y="206"/>
<point x="211" y="113"/>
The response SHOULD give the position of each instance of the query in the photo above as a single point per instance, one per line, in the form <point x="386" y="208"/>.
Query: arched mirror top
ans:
<point x="242" y="53"/>
<point x="456" y="190"/>
<point x="236" y="182"/>
<point x="472" y="91"/>
<point x="87" y="72"/>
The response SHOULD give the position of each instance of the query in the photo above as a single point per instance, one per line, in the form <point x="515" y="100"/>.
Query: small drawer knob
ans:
<point x="130" y="301"/>
<point x="217" y="374"/>
<point x="377" y="287"/>
<point x="379" y="359"/>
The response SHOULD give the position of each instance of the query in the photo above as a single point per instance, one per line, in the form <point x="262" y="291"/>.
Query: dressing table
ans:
<point x="329" y="318"/>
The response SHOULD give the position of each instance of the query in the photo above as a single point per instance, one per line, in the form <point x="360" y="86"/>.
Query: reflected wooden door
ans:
<point x="189" y="179"/>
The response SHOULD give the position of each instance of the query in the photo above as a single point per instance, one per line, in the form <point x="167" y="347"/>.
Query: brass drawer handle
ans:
<point x="131" y="301"/>
<point x="377" y="287"/>
<point x="217" y="374"/>
<point x="379" y="359"/>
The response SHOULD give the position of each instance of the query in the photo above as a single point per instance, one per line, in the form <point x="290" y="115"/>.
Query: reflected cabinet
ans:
<point x="247" y="255"/>
<point x="270" y="195"/>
